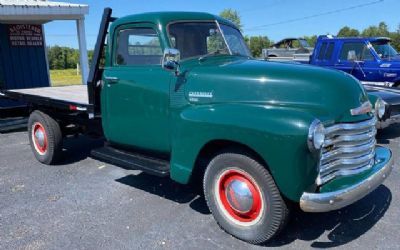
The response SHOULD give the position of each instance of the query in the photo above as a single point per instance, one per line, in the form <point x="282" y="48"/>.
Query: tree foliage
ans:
<point x="311" y="40"/>
<point x="348" y="32"/>
<point x="257" y="44"/>
<point x="233" y="16"/>
<point x="64" y="57"/>
<point x="381" y="29"/>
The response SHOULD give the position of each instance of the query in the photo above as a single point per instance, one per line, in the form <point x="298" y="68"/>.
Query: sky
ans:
<point x="276" y="19"/>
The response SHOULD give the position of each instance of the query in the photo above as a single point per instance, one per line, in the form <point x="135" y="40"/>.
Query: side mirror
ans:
<point x="351" y="55"/>
<point x="170" y="60"/>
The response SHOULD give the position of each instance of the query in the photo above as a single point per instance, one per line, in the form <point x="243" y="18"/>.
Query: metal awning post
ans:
<point x="83" y="55"/>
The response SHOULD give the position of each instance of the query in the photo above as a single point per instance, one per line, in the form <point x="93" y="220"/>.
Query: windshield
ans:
<point x="197" y="39"/>
<point x="384" y="49"/>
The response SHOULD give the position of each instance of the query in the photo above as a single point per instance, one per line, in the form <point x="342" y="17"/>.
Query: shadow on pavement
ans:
<point x="78" y="148"/>
<point x="168" y="189"/>
<point x="344" y="225"/>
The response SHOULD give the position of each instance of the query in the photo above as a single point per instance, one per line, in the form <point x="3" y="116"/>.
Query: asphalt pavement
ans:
<point x="87" y="204"/>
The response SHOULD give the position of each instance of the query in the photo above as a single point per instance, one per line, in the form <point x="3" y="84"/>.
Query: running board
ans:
<point x="132" y="160"/>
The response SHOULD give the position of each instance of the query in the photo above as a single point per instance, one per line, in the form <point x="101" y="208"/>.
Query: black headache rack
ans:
<point x="96" y="73"/>
<point x="93" y="82"/>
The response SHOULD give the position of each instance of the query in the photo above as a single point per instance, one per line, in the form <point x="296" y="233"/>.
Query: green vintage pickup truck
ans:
<point x="180" y="96"/>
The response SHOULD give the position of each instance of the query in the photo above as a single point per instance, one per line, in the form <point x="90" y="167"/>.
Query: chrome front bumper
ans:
<point x="324" y="202"/>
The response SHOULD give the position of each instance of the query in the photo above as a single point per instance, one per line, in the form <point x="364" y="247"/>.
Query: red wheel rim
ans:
<point x="39" y="137"/>
<point x="239" y="196"/>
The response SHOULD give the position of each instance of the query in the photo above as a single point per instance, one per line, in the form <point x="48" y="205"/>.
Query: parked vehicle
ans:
<point x="297" y="49"/>
<point x="391" y="101"/>
<point x="181" y="97"/>
<point x="372" y="60"/>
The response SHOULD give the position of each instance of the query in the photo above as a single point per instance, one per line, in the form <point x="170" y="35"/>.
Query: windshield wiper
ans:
<point x="214" y="53"/>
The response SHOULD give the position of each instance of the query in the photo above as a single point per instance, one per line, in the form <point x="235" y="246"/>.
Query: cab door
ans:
<point x="135" y="95"/>
<point x="364" y="68"/>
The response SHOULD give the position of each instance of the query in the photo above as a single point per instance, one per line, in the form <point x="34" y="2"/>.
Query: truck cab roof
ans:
<point x="370" y="39"/>
<point x="164" y="18"/>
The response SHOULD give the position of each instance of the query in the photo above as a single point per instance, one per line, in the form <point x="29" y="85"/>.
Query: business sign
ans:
<point x="25" y="35"/>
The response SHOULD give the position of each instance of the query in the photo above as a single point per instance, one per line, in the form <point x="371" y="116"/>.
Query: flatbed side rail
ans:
<point x="46" y="101"/>
<point x="95" y="73"/>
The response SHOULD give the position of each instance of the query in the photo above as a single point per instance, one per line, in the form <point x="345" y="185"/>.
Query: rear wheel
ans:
<point x="45" y="137"/>
<point x="243" y="198"/>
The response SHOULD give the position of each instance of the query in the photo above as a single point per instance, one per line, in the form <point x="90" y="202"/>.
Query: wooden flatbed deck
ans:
<point x="77" y="94"/>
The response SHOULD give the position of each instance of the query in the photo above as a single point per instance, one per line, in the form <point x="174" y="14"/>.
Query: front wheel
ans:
<point x="243" y="198"/>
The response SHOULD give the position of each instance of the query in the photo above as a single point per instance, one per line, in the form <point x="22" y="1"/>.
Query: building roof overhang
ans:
<point x="40" y="11"/>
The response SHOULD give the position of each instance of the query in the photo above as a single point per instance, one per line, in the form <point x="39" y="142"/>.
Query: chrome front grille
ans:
<point x="349" y="149"/>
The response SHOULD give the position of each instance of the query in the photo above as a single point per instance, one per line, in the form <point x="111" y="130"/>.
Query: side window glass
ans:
<point x="367" y="55"/>
<point x="322" y="51"/>
<point x="329" y="51"/>
<point x="295" y="44"/>
<point x="138" y="46"/>
<point x="351" y="49"/>
<point x="214" y="40"/>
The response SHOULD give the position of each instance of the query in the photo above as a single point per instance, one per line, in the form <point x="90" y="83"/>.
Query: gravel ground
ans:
<point x="86" y="204"/>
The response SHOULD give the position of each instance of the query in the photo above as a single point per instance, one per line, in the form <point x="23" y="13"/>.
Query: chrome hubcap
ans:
<point x="39" y="135"/>
<point x="239" y="196"/>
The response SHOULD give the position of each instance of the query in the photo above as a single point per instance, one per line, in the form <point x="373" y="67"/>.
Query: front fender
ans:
<point x="372" y="98"/>
<point x="278" y="135"/>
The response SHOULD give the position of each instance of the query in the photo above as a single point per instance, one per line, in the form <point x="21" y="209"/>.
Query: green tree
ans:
<point x="348" y="32"/>
<point x="257" y="44"/>
<point x="311" y="40"/>
<point x="64" y="57"/>
<point x="395" y="36"/>
<point x="380" y="30"/>
<point x="233" y="16"/>
<point x="56" y="57"/>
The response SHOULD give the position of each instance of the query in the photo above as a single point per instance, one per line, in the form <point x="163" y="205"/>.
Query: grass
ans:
<point x="64" y="77"/>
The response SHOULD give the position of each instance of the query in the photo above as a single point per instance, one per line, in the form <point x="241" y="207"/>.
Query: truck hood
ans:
<point x="393" y="58"/>
<point x="328" y="94"/>
<point x="393" y="62"/>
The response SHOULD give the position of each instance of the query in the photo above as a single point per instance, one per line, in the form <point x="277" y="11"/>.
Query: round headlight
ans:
<point x="380" y="108"/>
<point x="316" y="135"/>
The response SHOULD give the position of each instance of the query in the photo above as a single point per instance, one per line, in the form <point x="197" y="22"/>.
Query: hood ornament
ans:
<point x="365" y="108"/>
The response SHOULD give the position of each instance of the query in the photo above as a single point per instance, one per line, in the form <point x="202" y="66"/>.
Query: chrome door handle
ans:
<point x="111" y="79"/>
